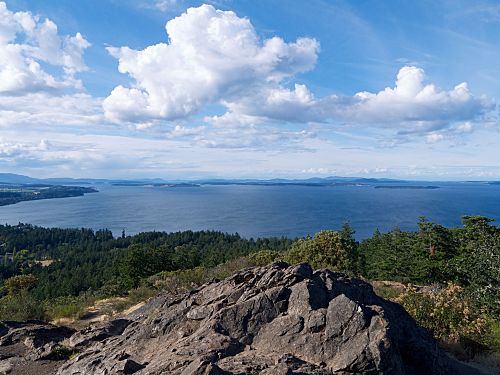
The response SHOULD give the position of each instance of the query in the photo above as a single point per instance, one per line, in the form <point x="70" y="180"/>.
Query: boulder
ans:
<point x="273" y="320"/>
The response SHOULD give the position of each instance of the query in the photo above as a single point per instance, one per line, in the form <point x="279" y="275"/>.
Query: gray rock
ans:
<point x="39" y="338"/>
<point x="98" y="333"/>
<point x="274" y="320"/>
<point x="5" y="367"/>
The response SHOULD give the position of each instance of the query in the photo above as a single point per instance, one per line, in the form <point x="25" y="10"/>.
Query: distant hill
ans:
<point x="11" y="178"/>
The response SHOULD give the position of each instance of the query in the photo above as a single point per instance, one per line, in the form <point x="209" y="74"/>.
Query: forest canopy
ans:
<point x="70" y="262"/>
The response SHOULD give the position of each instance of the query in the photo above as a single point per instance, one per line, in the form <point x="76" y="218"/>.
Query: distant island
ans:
<point x="16" y="188"/>
<point x="159" y="182"/>
<point x="15" y="193"/>
<point x="415" y="187"/>
<point x="146" y="184"/>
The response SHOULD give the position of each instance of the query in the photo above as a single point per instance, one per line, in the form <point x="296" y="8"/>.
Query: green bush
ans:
<point x="326" y="250"/>
<point x="143" y="293"/>
<point x="264" y="257"/>
<point x="22" y="306"/>
<point x="61" y="352"/>
<point x="182" y="281"/>
<point x="19" y="283"/>
<point x="66" y="307"/>
<point x="448" y="313"/>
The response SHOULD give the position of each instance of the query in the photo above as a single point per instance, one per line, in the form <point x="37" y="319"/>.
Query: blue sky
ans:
<point x="186" y="89"/>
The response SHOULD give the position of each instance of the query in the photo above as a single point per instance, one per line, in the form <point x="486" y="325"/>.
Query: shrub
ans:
<point x="19" y="303"/>
<point x="66" y="307"/>
<point x="22" y="306"/>
<point x="387" y="289"/>
<point x="182" y="281"/>
<point x="263" y="257"/>
<point x="178" y="281"/>
<point x="325" y="250"/>
<point x="61" y="352"/>
<point x="19" y="283"/>
<point x="447" y="313"/>
<point x="143" y="293"/>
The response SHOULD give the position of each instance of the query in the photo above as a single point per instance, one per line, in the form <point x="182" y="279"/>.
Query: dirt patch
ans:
<point x="100" y="311"/>
<point x="45" y="263"/>
<point x="131" y="309"/>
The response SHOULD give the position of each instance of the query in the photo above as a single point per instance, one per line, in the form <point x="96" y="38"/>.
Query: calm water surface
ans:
<point x="259" y="211"/>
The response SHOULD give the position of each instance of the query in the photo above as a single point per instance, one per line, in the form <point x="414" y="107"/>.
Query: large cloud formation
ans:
<point x="212" y="56"/>
<point x="216" y="57"/>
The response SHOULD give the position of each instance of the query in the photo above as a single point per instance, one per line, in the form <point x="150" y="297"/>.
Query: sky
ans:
<point x="181" y="89"/>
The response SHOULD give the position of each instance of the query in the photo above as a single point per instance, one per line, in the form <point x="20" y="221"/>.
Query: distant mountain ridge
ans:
<point x="12" y="178"/>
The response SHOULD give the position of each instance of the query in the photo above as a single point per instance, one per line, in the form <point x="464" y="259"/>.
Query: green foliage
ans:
<point x="326" y="250"/>
<point x="17" y="284"/>
<point x="469" y="256"/>
<point x="61" y="352"/>
<point x="85" y="260"/>
<point x="88" y="265"/>
<point x="19" y="303"/>
<point x="22" y="306"/>
<point x="448" y="313"/>
<point x="351" y="247"/>
<point x="477" y="266"/>
<point x="387" y="290"/>
<point x="68" y="306"/>
<point x="492" y="337"/>
<point x="182" y="281"/>
<point x="188" y="250"/>
<point x="264" y="257"/>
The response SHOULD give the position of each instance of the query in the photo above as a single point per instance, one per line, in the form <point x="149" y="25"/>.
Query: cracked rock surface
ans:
<point x="273" y="320"/>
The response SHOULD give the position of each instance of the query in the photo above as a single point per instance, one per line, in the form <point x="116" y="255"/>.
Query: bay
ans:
<point x="259" y="211"/>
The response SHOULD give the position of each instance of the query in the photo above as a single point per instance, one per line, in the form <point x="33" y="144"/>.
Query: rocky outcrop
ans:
<point x="31" y="347"/>
<point x="38" y="338"/>
<point x="269" y="320"/>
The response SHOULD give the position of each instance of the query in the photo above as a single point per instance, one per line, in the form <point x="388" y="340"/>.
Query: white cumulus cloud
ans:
<point x="211" y="56"/>
<point x="27" y="41"/>
<point x="215" y="57"/>
<point x="38" y="67"/>
<point x="412" y="100"/>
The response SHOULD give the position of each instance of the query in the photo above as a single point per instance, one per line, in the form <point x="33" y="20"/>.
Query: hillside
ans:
<point x="445" y="278"/>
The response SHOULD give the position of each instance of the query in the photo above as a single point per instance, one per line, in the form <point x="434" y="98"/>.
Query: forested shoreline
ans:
<point x="15" y="193"/>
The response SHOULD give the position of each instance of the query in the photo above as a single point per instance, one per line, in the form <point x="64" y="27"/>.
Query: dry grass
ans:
<point x="45" y="263"/>
<point x="388" y="289"/>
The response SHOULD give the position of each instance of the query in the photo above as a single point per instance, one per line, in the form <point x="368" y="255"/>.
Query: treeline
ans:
<point x="72" y="261"/>
<point x="468" y="256"/>
<point x="68" y="262"/>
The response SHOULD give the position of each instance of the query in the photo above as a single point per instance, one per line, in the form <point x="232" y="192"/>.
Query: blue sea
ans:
<point x="259" y="211"/>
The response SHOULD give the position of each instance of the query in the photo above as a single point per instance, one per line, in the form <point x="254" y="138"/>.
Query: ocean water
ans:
<point x="260" y="211"/>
